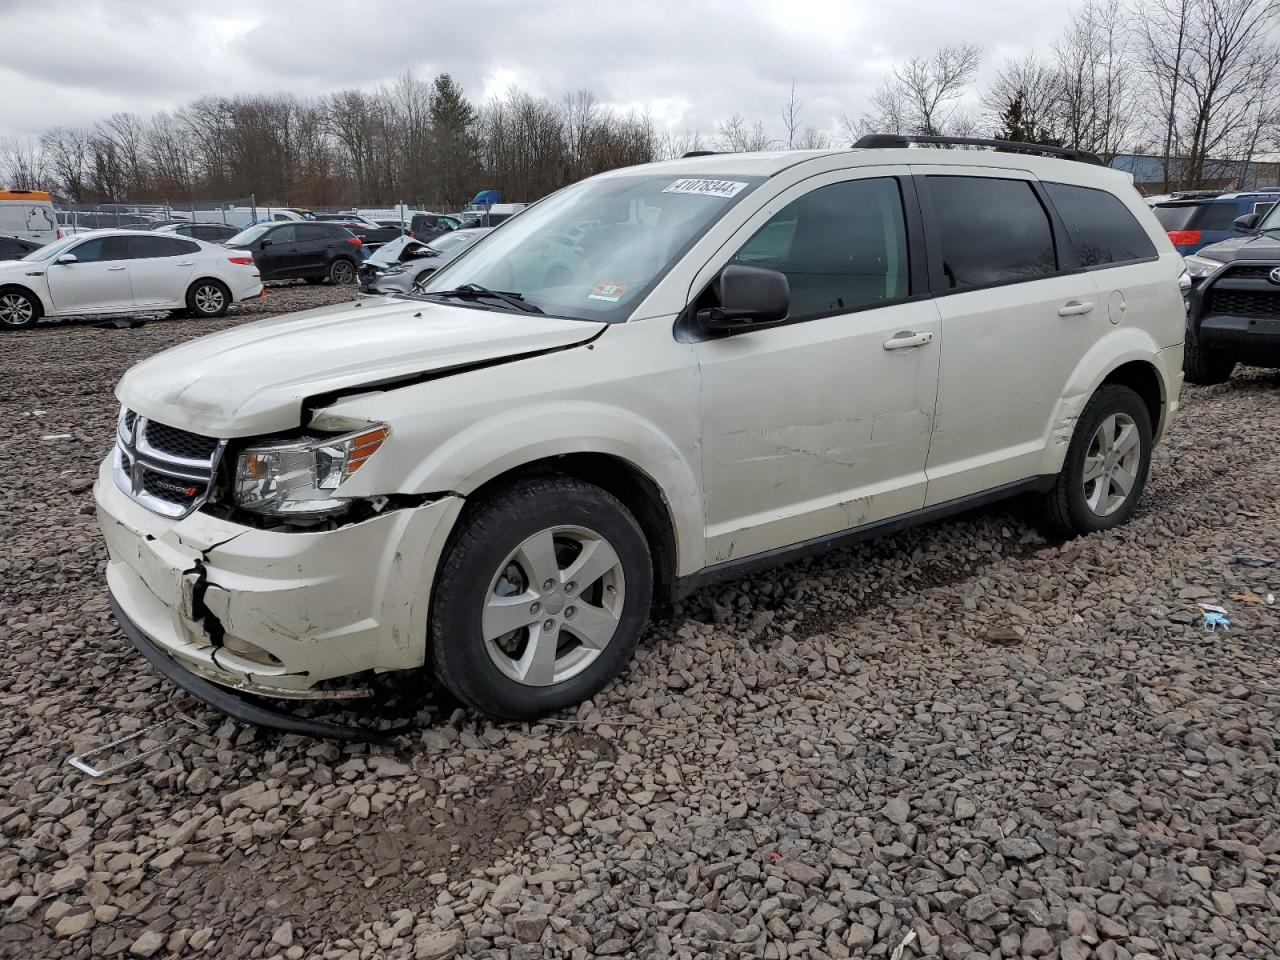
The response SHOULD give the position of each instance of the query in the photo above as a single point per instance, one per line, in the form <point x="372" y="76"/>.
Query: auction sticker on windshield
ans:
<point x="612" y="292"/>
<point x="707" y="188"/>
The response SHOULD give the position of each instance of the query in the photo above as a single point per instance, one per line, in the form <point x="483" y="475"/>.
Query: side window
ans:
<point x="186" y="247"/>
<point x="1100" y="227"/>
<point x="1261" y="208"/>
<point x="992" y="231"/>
<point x="313" y="231"/>
<point x="283" y="235"/>
<point x="843" y="247"/>
<point x="149" y="248"/>
<point x="100" y="249"/>
<point x="9" y="249"/>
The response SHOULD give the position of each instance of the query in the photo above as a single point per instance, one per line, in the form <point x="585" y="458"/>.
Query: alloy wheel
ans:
<point x="1111" y="464"/>
<point x="209" y="299"/>
<point x="16" y="310"/>
<point x="553" y="605"/>
<point x="342" y="272"/>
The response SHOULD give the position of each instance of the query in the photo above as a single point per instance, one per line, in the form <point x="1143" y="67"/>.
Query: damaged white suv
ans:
<point x="654" y="379"/>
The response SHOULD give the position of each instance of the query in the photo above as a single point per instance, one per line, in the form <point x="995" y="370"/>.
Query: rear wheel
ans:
<point x="208" y="299"/>
<point x="342" y="272"/>
<point x="541" y="599"/>
<point x="1106" y="466"/>
<point x="1204" y="366"/>
<point x="18" y="309"/>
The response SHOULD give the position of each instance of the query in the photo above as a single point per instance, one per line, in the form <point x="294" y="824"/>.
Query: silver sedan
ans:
<point x="400" y="264"/>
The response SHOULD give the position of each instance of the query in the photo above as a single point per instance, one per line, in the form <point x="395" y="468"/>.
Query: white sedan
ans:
<point x="124" y="271"/>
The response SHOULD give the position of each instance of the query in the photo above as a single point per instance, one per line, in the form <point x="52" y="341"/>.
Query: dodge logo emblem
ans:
<point x="1275" y="275"/>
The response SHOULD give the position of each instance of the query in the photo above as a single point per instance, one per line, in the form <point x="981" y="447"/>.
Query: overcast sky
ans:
<point x="71" y="62"/>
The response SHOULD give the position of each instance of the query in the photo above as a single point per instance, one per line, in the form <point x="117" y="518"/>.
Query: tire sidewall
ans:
<point x="195" y="310"/>
<point x="457" y="646"/>
<point x="1121" y="400"/>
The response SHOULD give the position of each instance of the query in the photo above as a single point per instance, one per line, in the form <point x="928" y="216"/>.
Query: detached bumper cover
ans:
<point x="230" y="703"/>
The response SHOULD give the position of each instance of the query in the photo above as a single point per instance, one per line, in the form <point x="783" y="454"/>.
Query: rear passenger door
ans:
<point x="1016" y="319"/>
<point x="160" y="268"/>
<point x="314" y="241"/>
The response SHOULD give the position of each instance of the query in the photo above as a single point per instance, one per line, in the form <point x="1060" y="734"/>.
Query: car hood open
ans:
<point x="254" y="379"/>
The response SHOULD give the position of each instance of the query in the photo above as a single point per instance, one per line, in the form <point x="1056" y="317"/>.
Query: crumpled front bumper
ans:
<point x="275" y="613"/>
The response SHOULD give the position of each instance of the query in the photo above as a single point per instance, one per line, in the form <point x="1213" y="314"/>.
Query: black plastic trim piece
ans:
<point x="228" y="701"/>
<point x="745" y="566"/>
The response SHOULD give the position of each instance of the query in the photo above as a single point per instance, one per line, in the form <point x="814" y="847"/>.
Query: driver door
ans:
<point x="822" y="424"/>
<point x="97" y="281"/>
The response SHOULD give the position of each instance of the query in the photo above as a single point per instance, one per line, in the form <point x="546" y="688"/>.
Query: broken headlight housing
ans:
<point x="297" y="478"/>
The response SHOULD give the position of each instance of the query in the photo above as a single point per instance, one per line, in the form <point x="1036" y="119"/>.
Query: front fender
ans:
<point x="1120" y="346"/>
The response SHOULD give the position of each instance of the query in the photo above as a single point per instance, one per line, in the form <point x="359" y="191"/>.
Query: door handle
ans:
<point x="905" y="338"/>
<point x="113" y="269"/>
<point x="1075" y="308"/>
<point x="185" y="263"/>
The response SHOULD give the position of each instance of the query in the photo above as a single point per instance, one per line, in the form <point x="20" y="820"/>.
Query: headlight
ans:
<point x="1200" y="267"/>
<point x="298" y="478"/>
<point x="392" y="271"/>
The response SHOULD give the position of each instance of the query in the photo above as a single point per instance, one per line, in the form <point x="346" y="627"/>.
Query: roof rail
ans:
<point x="699" y="153"/>
<point x="884" y="141"/>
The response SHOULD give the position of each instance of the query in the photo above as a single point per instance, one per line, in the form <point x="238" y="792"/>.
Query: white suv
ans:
<point x="654" y="379"/>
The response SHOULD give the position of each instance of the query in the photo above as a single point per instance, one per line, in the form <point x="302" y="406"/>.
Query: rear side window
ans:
<point x="1100" y="227"/>
<point x="283" y="235"/>
<point x="146" y="248"/>
<point x="843" y="247"/>
<point x="315" y="231"/>
<point x="992" y="231"/>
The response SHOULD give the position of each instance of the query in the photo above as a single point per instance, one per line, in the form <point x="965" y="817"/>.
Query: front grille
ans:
<point x="1249" y="271"/>
<point x="167" y="470"/>
<point x="178" y="443"/>
<point x="1245" y="303"/>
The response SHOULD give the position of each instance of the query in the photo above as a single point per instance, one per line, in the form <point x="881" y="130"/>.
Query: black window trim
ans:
<point x="933" y="235"/>
<point x="688" y="330"/>
<point x="1047" y="200"/>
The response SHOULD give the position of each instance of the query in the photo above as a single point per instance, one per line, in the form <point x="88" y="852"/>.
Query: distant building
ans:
<point x="1148" y="172"/>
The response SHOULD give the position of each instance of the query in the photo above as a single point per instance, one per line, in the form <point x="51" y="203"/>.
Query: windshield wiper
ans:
<point x="473" y="291"/>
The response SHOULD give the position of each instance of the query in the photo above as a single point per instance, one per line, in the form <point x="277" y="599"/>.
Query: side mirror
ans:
<point x="1246" y="223"/>
<point x="263" y="244"/>
<point x="750" y="298"/>
<point x="67" y="258"/>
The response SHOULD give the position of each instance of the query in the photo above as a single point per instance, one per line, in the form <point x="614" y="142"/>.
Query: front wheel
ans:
<point x="1106" y="465"/>
<point x="1203" y="366"/>
<point x="18" y="310"/>
<point x="342" y="272"/>
<point x="208" y="299"/>
<point x="541" y="599"/>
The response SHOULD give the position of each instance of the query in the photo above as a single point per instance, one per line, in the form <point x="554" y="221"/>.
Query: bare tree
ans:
<point x="67" y="151"/>
<point x="1163" y="50"/>
<point x="1030" y="89"/>
<point x="1093" y="62"/>
<point x="737" y="136"/>
<point x="921" y="96"/>
<point x="23" y="165"/>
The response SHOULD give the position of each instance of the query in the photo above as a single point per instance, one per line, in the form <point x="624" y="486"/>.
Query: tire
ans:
<point x="341" y="272"/>
<point x="1203" y="366"/>
<point x="18" y="309"/>
<point x="504" y="549"/>
<point x="207" y="299"/>
<point x="1074" y="506"/>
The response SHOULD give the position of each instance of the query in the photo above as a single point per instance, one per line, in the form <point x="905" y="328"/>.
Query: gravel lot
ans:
<point x="964" y="737"/>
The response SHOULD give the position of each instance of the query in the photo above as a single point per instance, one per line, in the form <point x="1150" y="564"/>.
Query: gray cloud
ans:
<point x="693" y="63"/>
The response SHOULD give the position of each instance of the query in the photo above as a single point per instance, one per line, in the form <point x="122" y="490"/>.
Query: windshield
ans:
<point x="246" y="237"/>
<point x="595" y="249"/>
<point x="51" y="250"/>
<point x="1271" y="222"/>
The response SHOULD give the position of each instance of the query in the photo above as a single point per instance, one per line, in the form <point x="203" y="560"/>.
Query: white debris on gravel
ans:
<point x="960" y="742"/>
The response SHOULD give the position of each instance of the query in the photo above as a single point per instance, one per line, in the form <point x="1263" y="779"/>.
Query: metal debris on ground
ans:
<point x="909" y="939"/>
<point x="88" y="761"/>
<point x="1245" y="560"/>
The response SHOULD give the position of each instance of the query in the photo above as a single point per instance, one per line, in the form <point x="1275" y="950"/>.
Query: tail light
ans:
<point x="1184" y="238"/>
<point x="241" y="261"/>
<point x="354" y="241"/>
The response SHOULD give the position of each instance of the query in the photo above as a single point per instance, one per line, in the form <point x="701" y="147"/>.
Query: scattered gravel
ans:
<point x="963" y="736"/>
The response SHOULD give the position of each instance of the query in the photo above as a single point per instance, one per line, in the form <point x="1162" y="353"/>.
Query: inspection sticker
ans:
<point x="611" y="292"/>
<point x="707" y="188"/>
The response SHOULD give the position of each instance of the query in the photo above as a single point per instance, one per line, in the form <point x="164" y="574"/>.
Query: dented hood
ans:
<point x="254" y="379"/>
